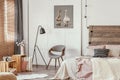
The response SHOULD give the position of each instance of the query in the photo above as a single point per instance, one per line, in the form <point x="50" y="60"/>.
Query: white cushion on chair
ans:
<point x="56" y="53"/>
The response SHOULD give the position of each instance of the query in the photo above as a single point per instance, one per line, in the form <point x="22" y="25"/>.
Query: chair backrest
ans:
<point x="58" y="48"/>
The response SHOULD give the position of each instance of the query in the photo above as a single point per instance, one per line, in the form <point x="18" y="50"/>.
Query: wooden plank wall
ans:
<point x="101" y="34"/>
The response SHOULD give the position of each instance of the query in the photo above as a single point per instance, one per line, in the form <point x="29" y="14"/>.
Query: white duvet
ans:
<point x="106" y="68"/>
<point x="68" y="69"/>
<point x="102" y="68"/>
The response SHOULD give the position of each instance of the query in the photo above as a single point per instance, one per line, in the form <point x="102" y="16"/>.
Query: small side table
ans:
<point x="18" y="60"/>
<point x="6" y="65"/>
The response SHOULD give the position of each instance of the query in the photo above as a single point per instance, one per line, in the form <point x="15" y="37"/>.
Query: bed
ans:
<point x="92" y="67"/>
<point x="86" y="68"/>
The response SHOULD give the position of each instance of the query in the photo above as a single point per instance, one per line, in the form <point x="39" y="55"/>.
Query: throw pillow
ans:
<point x="114" y="50"/>
<point x="101" y="52"/>
<point x="90" y="49"/>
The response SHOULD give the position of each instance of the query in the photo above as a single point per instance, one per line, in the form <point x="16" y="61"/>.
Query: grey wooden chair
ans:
<point x="56" y="52"/>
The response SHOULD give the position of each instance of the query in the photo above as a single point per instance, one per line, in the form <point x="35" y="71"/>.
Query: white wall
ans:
<point x="104" y="12"/>
<point x="41" y="12"/>
<point x="100" y="12"/>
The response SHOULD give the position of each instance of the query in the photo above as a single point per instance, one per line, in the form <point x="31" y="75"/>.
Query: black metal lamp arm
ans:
<point x="42" y="31"/>
<point x="37" y="35"/>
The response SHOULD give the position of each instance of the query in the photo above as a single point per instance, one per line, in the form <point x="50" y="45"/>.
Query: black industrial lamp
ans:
<point x="42" y="31"/>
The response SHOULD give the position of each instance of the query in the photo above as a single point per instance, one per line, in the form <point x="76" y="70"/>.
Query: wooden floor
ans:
<point x="42" y="70"/>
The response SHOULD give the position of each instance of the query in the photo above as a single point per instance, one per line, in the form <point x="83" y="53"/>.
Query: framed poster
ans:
<point x="63" y="16"/>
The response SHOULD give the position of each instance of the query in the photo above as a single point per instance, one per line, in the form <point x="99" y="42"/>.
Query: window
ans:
<point x="7" y="23"/>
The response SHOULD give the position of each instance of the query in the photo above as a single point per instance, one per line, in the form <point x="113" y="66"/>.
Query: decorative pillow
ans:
<point x="114" y="50"/>
<point x="90" y="49"/>
<point x="101" y="52"/>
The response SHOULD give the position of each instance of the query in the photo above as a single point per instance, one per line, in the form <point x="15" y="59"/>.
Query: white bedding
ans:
<point x="106" y="68"/>
<point x="68" y="69"/>
<point x="102" y="68"/>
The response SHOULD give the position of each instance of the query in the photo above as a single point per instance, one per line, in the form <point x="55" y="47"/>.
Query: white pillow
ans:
<point x="90" y="49"/>
<point x="114" y="50"/>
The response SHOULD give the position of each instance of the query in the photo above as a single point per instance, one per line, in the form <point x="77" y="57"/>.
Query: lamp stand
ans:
<point x="36" y="47"/>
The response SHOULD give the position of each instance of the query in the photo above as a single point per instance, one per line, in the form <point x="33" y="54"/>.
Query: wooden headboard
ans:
<point x="102" y="34"/>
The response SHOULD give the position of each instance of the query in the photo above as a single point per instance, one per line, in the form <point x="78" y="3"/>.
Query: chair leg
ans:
<point x="59" y="61"/>
<point x="62" y="58"/>
<point x="48" y="63"/>
<point x="55" y="62"/>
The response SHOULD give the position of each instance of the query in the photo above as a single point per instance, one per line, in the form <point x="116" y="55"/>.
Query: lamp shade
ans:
<point x="42" y="30"/>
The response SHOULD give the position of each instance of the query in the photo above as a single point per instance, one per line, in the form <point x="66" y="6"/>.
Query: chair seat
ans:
<point x="54" y="56"/>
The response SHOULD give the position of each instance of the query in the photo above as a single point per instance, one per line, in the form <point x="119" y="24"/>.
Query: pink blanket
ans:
<point x="84" y="69"/>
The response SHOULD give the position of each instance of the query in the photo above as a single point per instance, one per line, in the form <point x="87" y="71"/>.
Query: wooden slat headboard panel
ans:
<point x="100" y="35"/>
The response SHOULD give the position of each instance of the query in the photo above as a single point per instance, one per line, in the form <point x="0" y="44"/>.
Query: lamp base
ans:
<point x="34" y="54"/>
